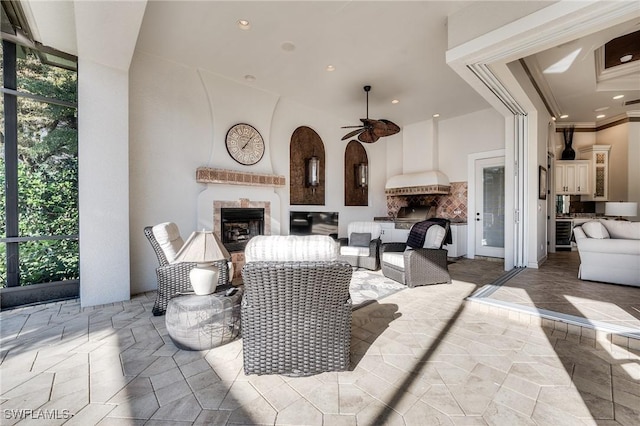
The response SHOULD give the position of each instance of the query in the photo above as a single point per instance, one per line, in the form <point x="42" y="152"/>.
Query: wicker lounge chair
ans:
<point x="418" y="266"/>
<point x="173" y="278"/>
<point x="296" y="309"/>
<point x="362" y="247"/>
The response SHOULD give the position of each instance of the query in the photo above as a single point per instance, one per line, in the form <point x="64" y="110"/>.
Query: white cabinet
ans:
<point x="572" y="177"/>
<point x="386" y="235"/>
<point x="458" y="246"/>
<point x="598" y="157"/>
<point x="390" y="234"/>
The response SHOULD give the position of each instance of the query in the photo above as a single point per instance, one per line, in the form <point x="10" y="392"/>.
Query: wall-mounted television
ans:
<point x="313" y="223"/>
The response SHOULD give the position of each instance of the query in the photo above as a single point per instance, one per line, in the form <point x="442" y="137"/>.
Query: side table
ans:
<point x="198" y="323"/>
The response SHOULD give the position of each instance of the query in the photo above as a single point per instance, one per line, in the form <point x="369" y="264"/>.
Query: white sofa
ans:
<point x="609" y="251"/>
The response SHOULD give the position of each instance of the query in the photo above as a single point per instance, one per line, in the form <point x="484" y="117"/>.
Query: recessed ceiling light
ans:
<point x="330" y="68"/>
<point x="436" y="115"/>
<point x="626" y="58"/>
<point x="618" y="97"/>
<point x="601" y="109"/>
<point x="395" y="101"/>
<point x="553" y="118"/>
<point x="287" y="46"/>
<point x="250" y="77"/>
<point x="600" y="116"/>
<point x="243" y="24"/>
<point x="564" y="116"/>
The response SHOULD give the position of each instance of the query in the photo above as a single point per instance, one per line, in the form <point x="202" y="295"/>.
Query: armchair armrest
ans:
<point x="426" y="266"/>
<point x="392" y="247"/>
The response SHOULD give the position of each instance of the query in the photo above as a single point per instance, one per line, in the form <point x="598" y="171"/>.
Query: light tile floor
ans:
<point x="556" y="287"/>
<point x="422" y="356"/>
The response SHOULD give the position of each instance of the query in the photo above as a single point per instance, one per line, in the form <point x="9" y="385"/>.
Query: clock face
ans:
<point x="244" y="144"/>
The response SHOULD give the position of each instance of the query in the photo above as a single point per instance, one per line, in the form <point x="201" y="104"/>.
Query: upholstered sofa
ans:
<point x="609" y="251"/>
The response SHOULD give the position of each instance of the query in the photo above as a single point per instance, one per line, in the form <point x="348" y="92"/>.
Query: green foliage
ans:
<point x="47" y="175"/>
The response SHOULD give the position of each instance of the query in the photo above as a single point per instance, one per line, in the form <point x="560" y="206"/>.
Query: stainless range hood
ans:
<point x="431" y="182"/>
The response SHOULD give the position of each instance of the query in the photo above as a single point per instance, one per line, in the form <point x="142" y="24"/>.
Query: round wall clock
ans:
<point x="244" y="144"/>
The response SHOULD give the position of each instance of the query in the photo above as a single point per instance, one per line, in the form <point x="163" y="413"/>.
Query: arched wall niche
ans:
<point x="354" y="194"/>
<point x="305" y="143"/>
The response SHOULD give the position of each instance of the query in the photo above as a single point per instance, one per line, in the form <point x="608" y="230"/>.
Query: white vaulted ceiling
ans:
<point x="396" y="47"/>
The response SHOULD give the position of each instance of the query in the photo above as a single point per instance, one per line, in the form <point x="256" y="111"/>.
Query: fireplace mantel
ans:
<point x="234" y="177"/>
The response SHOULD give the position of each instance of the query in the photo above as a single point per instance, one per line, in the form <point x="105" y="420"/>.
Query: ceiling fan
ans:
<point x="371" y="130"/>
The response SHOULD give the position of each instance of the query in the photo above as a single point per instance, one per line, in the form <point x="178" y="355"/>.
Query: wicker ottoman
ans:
<point x="203" y="322"/>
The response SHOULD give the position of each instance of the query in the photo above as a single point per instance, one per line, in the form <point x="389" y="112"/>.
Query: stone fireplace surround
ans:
<point x="237" y="258"/>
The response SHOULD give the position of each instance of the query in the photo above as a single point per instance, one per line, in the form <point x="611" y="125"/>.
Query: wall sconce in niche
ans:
<point x="362" y="175"/>
<point x="313" y="172"/>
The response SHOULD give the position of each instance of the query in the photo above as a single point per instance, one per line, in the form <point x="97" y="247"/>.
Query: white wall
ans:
<point x="106" y="35"/>
<point x="634" y="159"/>
<point x="619" y="161"/>
<point x="179" y="119"/>
<point x="468" y="134"/>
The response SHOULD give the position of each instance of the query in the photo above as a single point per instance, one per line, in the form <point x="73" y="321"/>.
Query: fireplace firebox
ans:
<point x="239" y="225"/>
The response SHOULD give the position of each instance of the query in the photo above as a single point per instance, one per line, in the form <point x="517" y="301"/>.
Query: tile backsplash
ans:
<point x="452" y="206"/>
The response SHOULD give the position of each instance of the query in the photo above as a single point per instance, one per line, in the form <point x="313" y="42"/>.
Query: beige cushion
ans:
<point x="287" y="248"/>
<point x="435" y="236"/>
<point x="394" y="258"/>
<point x="168" y="236"/>
<point x="354" y="251"/>
<point x="595" y="229"/>
<point x="622" y="229"/>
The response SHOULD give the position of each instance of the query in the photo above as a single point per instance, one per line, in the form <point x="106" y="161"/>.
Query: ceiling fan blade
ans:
<point x="353" y="133"/>
<point x="368" y="136"/>
<point x="351" y="127"/>
<point x="384" y="128"/>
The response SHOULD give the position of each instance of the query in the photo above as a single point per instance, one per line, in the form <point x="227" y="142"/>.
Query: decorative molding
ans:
<point x="234" y="177"/>
<point x="419" y="190"/>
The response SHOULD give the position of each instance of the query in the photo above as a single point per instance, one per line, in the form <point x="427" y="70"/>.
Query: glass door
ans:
<point x="489" y="209"/>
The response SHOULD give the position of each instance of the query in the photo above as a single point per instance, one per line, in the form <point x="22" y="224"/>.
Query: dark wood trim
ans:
<point x="603" y="126"/>
<point x="535" y="85"/>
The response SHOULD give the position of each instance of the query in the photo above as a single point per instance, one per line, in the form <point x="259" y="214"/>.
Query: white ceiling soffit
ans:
<point x="582" y="89"/>
<point x="396" y="47"/>
<point x="108" y="30"/>
<point x="53" y="24"/>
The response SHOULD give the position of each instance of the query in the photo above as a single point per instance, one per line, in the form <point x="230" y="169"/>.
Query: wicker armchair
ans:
<point x="296" y="309"/>
<point x="418" y="266"/>
<point x="173" y="278"/>
<point x="364" y="253"/>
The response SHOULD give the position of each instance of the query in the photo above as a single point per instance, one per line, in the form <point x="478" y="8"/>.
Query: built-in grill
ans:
<point x="407" y="216"/>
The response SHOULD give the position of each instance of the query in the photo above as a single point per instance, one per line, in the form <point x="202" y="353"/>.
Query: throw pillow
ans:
<point x="360" y="239"/>
<point x="595" y="229"/>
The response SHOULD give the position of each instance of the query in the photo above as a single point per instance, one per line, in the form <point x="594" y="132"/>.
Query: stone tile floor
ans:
<point x="556" y="287"/>
<point x="421" y="356"/>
